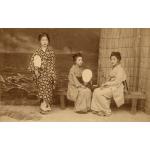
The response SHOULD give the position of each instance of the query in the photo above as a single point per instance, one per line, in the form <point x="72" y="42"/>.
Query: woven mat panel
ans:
<point x="122" y="40"/>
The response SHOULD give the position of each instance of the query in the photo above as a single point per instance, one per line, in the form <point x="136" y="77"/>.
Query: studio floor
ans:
<point x="31" y="113"/>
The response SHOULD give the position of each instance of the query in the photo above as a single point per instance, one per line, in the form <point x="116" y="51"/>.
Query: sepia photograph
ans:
<point x="74" y="74"/>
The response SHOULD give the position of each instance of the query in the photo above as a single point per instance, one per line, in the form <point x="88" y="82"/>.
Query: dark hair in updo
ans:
<point x="116" y="54"/>
<point x="43" y="35"/>
<point x="75" y="56"/>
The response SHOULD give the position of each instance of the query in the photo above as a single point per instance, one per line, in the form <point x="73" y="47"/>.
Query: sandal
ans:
<point x="100" y="113"/>
<point x="107" y="114"/>
<point x="94" y="112"/>
<point x="43" y="112"/>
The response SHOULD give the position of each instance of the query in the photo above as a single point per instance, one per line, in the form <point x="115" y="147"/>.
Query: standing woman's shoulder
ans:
<point x="36" y="51"/>
<point x="51" y="50"/>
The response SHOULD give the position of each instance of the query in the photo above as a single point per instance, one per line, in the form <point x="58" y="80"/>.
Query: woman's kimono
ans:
<point x="80" y="95"/>
<point x="46" y="81"/>
<point x="115" y="89"/>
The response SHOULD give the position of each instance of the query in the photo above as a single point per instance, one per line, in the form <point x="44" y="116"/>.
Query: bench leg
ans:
<point x="62" y="102"/>
<point x="134" y="106"/>
<point x="141" y="105"/>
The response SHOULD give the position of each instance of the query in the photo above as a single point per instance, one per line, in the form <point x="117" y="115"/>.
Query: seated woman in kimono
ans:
<point x="77" y="90"/>
<point x="113" y="88"/>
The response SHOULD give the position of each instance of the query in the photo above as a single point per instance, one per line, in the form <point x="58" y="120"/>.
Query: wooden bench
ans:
<point x="135" y="97"/>
<point x="61" y="93"/>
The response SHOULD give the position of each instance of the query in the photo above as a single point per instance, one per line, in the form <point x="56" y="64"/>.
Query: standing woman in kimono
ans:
<point x="113" y="88"/>
<point x="43" y="67"/>
<point x="77" y="90"/>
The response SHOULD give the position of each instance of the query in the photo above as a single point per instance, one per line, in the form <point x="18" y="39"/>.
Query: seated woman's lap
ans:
<point x="107" y="92"/>
<point x="84" y="90"/>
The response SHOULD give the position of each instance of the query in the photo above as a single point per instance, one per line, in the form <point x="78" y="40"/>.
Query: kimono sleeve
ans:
<point x="72" y="78"/>
<point x="35" y="63"/>
<point x="120" y="77"/>
<point x="31" y="64"/>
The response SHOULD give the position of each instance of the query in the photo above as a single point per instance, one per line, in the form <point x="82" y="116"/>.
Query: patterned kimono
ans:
<point x="81" y="96"/>
<point x="46" y="81"/>
<point x="115" y="89"/>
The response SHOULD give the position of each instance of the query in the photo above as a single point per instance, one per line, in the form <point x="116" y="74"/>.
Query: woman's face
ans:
<point x="114" y="61"/>
<point x="44" y="41"/>
<point x="79" y="61"/>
